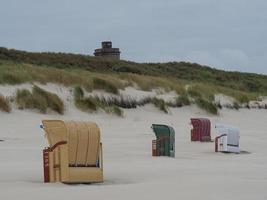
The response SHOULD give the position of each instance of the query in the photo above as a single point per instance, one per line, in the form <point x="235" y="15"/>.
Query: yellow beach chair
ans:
<point x="74" y="154"/>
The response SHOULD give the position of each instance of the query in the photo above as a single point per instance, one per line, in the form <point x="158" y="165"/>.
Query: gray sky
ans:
<point x="226" y="34"/>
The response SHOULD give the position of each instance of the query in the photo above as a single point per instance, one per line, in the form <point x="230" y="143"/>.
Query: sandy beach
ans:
<point x="130" y="172"/>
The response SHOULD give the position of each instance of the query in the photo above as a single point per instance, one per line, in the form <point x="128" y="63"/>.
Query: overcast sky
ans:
<point x="226" y="34"/>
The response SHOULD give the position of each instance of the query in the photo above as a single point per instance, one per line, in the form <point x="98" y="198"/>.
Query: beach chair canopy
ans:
<point x="233" y="133"/>
<point x="201" y="129"/>
<point x="79" y="146"/>
<point x="165" y="142"/>
<point x="228" y="138"/>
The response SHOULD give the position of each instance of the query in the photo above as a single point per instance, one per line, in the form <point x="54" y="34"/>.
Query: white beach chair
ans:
<point x="228" y="139"/>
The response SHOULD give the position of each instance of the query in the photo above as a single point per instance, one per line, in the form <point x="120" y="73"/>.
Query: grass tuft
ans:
<point x="207" y="105"/>
<point x="236" y="106"/>
<point x="51" y="99"/>
<point x="39" y="99"/>
<point x="84" y="104"/>
<point x="105" y="85"/>
<point x="4" y="104"/>
<point x="160" y="104"/>
<point x="183" y="100"/>
<point x="78" y="92"/>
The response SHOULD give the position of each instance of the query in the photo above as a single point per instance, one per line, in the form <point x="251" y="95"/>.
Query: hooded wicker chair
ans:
<point x="74" y="154"/>
<point x="228" y="139"/>
<point x="201" y="130"/>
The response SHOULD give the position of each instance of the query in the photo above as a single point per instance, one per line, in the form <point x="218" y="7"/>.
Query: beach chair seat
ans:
<point x="74" y="154"/>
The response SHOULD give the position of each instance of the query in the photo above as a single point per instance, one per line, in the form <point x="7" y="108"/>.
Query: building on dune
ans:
<point x="107" y="51"/>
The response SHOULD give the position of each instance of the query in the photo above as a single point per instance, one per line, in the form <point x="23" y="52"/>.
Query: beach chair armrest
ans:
<point x="57" y="144"/>
<point x="221" y="136"/>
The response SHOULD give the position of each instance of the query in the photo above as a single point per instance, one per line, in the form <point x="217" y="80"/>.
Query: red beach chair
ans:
<point x="201" y="130"/>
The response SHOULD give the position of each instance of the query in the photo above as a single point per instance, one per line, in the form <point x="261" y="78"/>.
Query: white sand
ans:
<point x="129" y="169"/>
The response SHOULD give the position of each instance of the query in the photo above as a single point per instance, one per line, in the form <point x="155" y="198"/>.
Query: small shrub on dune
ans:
<point x="52" y="100"/>
<point x="113" y="110"/>
<point x="39" y="99"/>
<point x="4" y="104"/>
<point x="113" y="104"/>
<point x="102" y="84"/>
<point x="84" y="104"/>
<point x="236" y="106"/>
<point x="24" y="99"/>
<point x="78" y="93"/>
<point x="183" y="100"/>
<point x="108" y="105"/>
<point x="160" y="104"/>
<point x="243" y="99"/>
<point x="116" y="110"/>
<point x="94" y="103"/>
<point x="206" y="105"/>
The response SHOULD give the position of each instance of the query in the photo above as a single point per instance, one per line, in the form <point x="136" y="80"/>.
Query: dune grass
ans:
<point x="202" y="91"/>
<point x="107" y="105"/>
<point x="190" y="72"/>
<point x="160" y="104"/>
<point x="188" y="91"/>
<point x="52" y="100"/>
<point x="105" y="85"/>
<point x="4" y="104"/>
<point x="113" y="104"/>
<point x="183" y="100"/>
<point x="82" y="103"/>
<point x="207" y="91"/>
<point x="85" y="104"/>
<point x="91" y="104"/>
<point x="147" y="83"/>
<point x="204" y="94"/>
<point x="39" y="99"/>
<point x="207" y="105"/>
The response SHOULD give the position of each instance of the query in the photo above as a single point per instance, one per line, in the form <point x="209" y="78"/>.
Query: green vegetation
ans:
<point x="4" y="104"/>
<point x="236" y="106"/>
<point x="113" y="105"/>
<point x="192" y="82"/>
<point x="183" y="100"/>
<point x="103" y="84"/>
<point x="191" y="72"/>
<point x="51" y="99"/>
<point x="107" y="105"/>
<point x="84" y="104"/>
<point x="207" y="105"/>
<point x="91" y="104"/>
<point x="39" y="99"/>
<point x="160" y="104"/>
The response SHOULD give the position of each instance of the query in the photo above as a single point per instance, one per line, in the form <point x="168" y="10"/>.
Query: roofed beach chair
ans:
<point x="228" y="139"/>
<point x="74" y="154"/>
<point x="164" y="145"/>
<point x="201" y="130"/>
